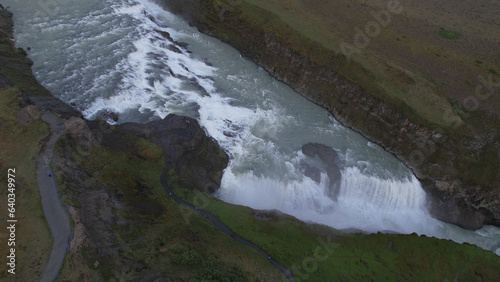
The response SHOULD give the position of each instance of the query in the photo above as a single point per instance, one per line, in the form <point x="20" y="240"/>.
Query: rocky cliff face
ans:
<point x="329" y="158"/>
<point x="196" y="158"/>
<point x="457" y="167"/>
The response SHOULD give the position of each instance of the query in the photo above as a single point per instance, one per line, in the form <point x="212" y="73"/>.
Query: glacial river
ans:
<point x="141" y="62"/>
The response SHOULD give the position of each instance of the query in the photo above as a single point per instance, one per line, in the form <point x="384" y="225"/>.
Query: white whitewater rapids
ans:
<point x="141" y="62"/>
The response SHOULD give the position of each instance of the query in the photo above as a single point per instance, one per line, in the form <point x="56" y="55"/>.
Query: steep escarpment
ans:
<point x="195" y="157"/>
<point x="456" y="157"/>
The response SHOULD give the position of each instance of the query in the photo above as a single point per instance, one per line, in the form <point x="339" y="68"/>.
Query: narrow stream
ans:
<point x="136" y="60"/>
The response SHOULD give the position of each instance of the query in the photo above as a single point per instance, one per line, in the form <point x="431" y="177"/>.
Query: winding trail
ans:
<point x="52" y="206"/>
<point x="222" y="227"/>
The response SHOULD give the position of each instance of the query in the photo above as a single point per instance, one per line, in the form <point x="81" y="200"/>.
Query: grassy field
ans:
<point x="320" y="253"/>
<point x="20" y="144"/>
<point x="427" y="55"/>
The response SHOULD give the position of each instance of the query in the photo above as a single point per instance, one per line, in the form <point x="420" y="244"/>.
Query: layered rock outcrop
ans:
<point x="195" y="157"/>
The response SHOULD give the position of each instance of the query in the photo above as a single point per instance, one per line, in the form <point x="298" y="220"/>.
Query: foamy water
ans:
<point x="116" y="56"/>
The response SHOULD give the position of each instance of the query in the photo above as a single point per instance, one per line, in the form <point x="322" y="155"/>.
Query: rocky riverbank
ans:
<point x="456" y="160"/>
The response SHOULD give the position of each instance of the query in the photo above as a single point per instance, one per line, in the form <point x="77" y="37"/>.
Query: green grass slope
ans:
<point x="320" y="253"/>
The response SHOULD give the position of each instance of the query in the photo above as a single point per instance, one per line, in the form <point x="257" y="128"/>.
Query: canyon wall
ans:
<point x="459" y="168"/>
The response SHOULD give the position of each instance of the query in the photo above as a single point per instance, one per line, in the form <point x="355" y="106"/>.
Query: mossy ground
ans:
<point x="348" y="257"/>
<point x="450" y="34"/>
<point x="16" y="67"/>
<point x="20" y="145"/>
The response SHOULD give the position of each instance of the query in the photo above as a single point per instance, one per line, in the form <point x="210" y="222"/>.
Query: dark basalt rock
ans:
<point x="165" y="34"/>
<point x="195" y="157"/>
<point x="107" y="115"/>
<point x="174" y="49"/>
<point x="459" y="212"/>
<point x="330" y="159"/>
<point x="6" y="24"/>
<point x="326" y="153"/>
<point x="78" y="130"/>
<point x="52" y="104"/>
<point x="183" y="45"/>
<point x="5" y="82"/>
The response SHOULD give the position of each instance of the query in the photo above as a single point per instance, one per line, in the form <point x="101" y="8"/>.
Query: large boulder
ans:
<point x="79" y="132"/>
<point x="27" y="114"/>
<point x="52" y="104"/>
<point x="330" y="159"/>
<point x="194" y="156"/>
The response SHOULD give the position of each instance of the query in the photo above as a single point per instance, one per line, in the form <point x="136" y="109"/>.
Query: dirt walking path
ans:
<point x="222" y="227"/>
<point x="56" y="215"/>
